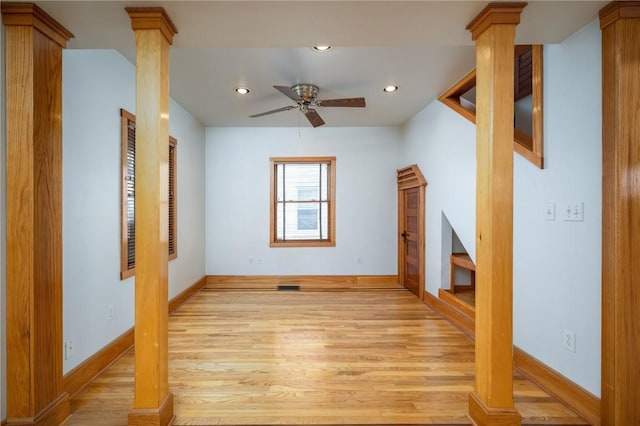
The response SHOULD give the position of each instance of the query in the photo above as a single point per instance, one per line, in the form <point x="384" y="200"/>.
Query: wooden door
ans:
<point x="410" y="236"/>
<point x="411" y="229"/>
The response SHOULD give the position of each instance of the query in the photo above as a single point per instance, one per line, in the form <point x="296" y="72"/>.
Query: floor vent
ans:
<point x="288" y="288"/>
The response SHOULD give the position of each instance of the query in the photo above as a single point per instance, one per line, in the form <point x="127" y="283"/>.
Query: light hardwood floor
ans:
<point x="251" y="357"/>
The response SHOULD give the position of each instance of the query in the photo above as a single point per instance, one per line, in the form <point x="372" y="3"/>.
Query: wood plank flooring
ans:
<point x="266" y="358"/>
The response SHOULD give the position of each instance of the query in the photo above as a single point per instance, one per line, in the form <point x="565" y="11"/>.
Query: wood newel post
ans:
<point x="154" y="31"/>
<point x="620" y="24"/>
<point x="34" y="43"/>
<point x="494" y="31"/>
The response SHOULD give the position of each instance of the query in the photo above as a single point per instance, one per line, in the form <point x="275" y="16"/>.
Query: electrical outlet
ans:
<point x="259" y="260"/>
<point x="550" y="211"/>
<point x="251" y="259"/>
<point x="68" y="349"/>
<point x="109" y="312"/>
<point x="569" y="340"/>
<point x="357" y="260"/>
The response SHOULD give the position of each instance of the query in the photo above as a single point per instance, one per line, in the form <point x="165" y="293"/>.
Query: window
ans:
<point x="461" y="97"/>
<point x="303" y="202"/>
<point x="128" y="225"/>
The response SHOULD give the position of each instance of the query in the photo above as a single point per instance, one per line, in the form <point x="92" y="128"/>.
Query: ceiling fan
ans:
<point x="305" y="96"/>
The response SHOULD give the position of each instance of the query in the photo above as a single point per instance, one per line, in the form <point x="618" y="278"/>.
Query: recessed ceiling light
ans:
<point x="390" y="89"/>
<point x="242" y="90"/>
<point x="321" y="48"/>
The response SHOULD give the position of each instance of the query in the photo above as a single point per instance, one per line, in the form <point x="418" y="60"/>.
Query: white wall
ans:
<point x="556" y="263"/>
<point x="96" y="83"/>
<point x="442" y="144"/>
<point x="237" y="206"/>
<point x="557" y="273"/>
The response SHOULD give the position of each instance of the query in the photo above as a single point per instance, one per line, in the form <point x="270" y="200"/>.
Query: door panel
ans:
<point x="411" y="240"/>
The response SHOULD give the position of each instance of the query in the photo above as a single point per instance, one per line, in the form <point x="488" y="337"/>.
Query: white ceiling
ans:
<point x="421" y="46"/>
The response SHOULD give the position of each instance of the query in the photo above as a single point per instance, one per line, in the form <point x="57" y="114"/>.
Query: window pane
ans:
<point x="301" y="197"/>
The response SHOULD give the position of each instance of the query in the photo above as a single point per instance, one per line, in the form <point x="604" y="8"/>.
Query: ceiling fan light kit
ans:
<point x="304" y="96"/>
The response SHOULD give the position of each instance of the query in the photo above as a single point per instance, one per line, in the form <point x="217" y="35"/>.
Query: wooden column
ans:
<point x="620" y="24"/>
<point x="34" y="43"/>
<point x="494" y="31"/>
<point x="153" y="403"/>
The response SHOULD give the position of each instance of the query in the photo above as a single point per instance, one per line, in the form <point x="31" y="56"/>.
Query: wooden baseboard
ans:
<point x="457" y="318"/>
<point x="75" y="380"/>
<point x="482" y="415"/>
<point x="161" y="416"/>
<point x="185" y="295"/>
<point x="56" y="413"/>
<point x="460" y="305"/>
<point x="583" y="402"/>
<point x="306" y="282"/>
<point x="569" y="393"/>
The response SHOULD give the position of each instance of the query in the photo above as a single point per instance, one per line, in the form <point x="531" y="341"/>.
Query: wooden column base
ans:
<point x="482" y="415"/>
<point x="161" y="416"/>
<point x="55" y="414"/>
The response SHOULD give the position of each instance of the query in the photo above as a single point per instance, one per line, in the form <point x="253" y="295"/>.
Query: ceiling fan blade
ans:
<point x="273" y="111"/>
<point x="288" y="92"/>
<point x="313" y="117"/>
<point x="347" y="102"/>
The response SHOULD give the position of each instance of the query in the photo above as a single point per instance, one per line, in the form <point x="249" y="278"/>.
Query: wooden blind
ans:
<point x="128" y="226"/>
<point x="523" y="72"/>
<point x="173" y="243"/>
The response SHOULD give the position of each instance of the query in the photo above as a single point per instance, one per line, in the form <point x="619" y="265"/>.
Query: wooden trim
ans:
<point x="310" y="282"/>
<point x="537" y="127"/>
<point x="584" y="403"/>
<point x="410" y="177"/>
<point x="620" y="23"/>
<point x="494" y="14"/>
<point x="83" y="374"/>
<point x="481" y="414"/>
<point x="569" y="393"/>
<point x="529" y="147"/>
<point x="451" y="97"/>
<point x="448" y="297"/>
<point x="152" y="18"/>
<point x="30" y="15"/>
<point x="186" y="294"/>
<point x="162" y="415"/>
<point x="273" y="241"/>
<point x="455" y="317"/>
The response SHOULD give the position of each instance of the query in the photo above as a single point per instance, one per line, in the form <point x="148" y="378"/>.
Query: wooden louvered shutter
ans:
<point x="523" y="72"/>
<point x="128" y="225"/>
<point x="173" y="237"/>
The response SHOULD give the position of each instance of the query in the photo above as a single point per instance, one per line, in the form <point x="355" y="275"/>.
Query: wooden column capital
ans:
<point x="30" y="15"/>
<point x="619" y="10"/>
<point x="152" y="18"/>
<point x="494" y="14"/>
